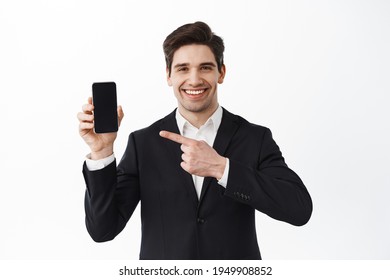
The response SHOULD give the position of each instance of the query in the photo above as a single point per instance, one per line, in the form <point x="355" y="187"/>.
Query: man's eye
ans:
<point x="182" y="69"/>
<point x="205" y="68"/>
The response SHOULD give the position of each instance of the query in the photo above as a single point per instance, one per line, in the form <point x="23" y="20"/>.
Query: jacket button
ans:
<point x="200" y="220"/>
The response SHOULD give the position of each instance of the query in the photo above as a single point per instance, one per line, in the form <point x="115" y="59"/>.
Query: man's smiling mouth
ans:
<point x="194" y="92"/>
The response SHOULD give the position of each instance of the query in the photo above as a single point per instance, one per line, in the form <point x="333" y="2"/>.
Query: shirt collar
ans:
<point x="215" y="120"/>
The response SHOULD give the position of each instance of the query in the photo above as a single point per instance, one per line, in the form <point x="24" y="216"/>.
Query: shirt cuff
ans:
<point x="94" y="165"/>
<point x="224" y="180"/>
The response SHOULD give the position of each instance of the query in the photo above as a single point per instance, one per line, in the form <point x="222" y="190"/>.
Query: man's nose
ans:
<point x="195" y="78"/>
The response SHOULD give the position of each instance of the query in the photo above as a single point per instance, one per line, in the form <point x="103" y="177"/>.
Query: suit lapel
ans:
<point x="169" y="123"/>
<point x="226" y="131"/>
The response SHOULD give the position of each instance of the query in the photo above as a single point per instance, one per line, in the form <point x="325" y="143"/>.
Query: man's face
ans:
<point x="194" y="78"/>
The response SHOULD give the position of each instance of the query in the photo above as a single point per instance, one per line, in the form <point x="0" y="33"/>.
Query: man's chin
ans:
<point x="196" y="108"/>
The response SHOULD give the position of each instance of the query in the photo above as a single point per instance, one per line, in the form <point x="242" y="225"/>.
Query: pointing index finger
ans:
<point x="175" y="137"/>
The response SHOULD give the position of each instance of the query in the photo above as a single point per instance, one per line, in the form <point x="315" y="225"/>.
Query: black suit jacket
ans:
<point x="175" y="225"/>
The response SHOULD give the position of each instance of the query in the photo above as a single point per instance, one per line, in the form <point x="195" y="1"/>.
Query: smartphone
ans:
<point x="105" y="104"/>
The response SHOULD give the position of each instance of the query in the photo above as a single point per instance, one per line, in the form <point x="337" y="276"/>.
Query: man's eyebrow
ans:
<point x="181" y="65"/>
<point x="202" y="64"/>
<point x="208" y="64"/>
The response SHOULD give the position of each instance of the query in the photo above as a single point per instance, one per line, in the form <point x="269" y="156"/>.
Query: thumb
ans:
<point x="120" y="114"/>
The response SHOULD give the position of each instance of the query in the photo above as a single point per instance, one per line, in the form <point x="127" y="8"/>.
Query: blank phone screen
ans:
<point x="105" y="112"/>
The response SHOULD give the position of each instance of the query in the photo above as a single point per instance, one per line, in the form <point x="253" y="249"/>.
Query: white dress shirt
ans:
<point x="206" y="132"/>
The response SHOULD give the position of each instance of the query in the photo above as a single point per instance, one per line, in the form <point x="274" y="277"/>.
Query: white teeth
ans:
<point x="194" y="92"/>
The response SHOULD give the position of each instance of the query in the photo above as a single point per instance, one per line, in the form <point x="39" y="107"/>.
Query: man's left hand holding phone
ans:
<point x="100" y="119"/>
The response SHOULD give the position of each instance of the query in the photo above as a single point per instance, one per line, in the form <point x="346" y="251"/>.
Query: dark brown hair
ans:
<point x="193" y="33"/>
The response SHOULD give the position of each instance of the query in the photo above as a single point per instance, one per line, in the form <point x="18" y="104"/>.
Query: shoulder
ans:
<point x="243" y="124"/>
<point x="248" y="134"/>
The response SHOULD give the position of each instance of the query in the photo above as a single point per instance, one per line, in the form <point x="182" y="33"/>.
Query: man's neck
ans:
<point x="197" y="119"/>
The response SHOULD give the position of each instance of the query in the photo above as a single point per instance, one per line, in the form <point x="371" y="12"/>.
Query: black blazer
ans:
<point x="175" y="225"/>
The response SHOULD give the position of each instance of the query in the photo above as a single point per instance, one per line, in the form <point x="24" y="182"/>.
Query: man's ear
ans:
<point x="222" y="74"/>
<point x="168" y="77"/>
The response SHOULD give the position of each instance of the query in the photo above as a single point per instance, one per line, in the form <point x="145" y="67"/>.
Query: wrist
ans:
<point x="220" y="168"/>
<point x="103" y="153"/>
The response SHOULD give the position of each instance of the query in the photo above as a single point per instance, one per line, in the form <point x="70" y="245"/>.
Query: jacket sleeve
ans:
<point x="112" y="195"/>
<point x="270" y="187"/>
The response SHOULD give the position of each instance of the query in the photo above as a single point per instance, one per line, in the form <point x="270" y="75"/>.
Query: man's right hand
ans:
<point x="101" y="144"/>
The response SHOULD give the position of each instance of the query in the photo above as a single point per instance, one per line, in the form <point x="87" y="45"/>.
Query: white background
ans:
<point x="315" y="72"/>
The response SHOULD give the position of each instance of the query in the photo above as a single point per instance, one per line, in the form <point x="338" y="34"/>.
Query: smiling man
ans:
<point x="200" y="173"/>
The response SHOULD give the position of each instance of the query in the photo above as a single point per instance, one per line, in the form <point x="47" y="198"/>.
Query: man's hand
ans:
<point x="198" y="157"/>
<point x="101" y="145"/>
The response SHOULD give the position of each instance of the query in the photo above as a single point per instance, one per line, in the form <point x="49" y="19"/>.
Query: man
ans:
<point x="199" y="173"/>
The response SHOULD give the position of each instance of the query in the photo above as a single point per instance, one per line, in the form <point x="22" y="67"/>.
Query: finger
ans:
<point x="186" y="168"/>
<point x="85" y="126"/>
<point x="120" y="114"/>
<point x="87" y="108"/>
<point x="176" y="137"/>
<point x="82" y="117"/>
<point x="185" y="149"/>
<point x="90" y="100"/>
<point x="185" y="157"/>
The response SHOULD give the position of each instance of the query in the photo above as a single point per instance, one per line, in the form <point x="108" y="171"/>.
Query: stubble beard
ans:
<point x="196" y="108"/>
